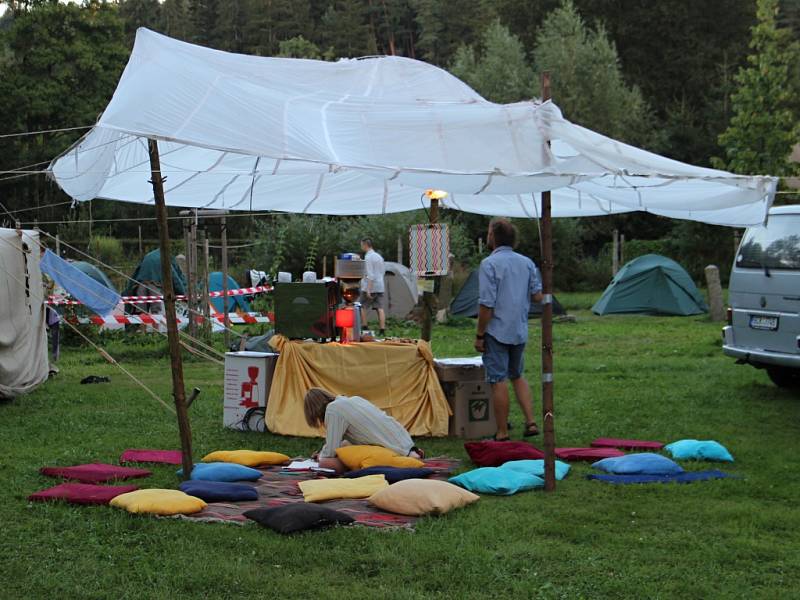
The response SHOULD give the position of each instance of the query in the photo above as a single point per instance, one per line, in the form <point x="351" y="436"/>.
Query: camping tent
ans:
<point x="234" y="302"/>
<point x="465" y="303"/>
<point x="401" y="290"/>
<point x="94" y="273"/>
<point x="23" y="339"/>
<point x="147" y="276"/>
<point x="651" y="284"/>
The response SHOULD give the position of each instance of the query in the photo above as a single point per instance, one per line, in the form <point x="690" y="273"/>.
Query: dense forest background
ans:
<point x="663" y="75"/>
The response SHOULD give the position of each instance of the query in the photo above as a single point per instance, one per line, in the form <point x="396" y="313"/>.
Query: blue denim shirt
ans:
<point x="506" y="282"/>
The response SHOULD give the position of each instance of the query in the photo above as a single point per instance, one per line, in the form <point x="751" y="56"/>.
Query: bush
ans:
<point x="106" y="249"/>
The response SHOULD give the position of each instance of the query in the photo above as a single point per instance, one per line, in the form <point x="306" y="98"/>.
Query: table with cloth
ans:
<point x="397" y="376"/>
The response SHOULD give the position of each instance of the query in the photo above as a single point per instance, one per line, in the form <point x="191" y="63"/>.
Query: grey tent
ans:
<point x="465" y="304"/>
<point x="94" y="273"/>
<point x="401" y="290"/>
<point x="651" y="284"/>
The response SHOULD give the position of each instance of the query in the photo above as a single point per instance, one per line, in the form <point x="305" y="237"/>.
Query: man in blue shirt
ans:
<point x="507" y="282"/>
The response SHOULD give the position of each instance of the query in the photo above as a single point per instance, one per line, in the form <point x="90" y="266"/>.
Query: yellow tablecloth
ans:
<point x="398" y="377"/>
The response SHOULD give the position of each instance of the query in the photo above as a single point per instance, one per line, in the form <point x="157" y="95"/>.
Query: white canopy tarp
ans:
<point x="366" y="136"/>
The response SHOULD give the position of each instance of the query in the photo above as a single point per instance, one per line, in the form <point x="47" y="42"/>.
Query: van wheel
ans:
<point x="784" y="377"/>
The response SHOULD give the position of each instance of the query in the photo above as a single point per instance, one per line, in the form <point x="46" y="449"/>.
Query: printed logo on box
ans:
<point x="478" y="410"/>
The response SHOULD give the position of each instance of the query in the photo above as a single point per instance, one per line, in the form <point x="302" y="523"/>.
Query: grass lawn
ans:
<point x="641" y="377"/>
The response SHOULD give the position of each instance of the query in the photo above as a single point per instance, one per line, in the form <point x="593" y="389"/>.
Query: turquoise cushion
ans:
<point x="219" y="471"/>
<point x="496" y="480"/>
<point x="699" y="450"/>
<point x="536" y="467"/>
<point x="645" y="463"/>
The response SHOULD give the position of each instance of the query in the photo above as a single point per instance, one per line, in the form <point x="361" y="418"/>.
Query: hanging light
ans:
<point x="435" y="194"/>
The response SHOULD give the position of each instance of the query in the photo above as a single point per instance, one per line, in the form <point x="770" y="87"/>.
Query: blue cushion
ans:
<point x="392" y="474"/>
<point x="496" y="480"/>
<point x="536" y="467"/>
<point x="685" y="477"/>
<point x="218" y="471"/>
<point x="645" y="463"/>
<point x="699" y="450"/>
<point x="219" y="491"/>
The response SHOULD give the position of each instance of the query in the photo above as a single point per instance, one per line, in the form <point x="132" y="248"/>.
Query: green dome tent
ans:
<point x="651" y="284"/>
<point x="234" y="302"/>
<point x="95" y="273"/>
<point x="465" y="303"/>
<point x="149" y="270"/>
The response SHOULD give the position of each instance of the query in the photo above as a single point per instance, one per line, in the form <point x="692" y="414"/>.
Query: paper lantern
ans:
<point x="345" y="318"/>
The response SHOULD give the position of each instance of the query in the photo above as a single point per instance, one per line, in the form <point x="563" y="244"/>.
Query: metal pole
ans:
<point x="547" y="328"/>
<point x="224" y="242"/>
<point x="176" y="360"/>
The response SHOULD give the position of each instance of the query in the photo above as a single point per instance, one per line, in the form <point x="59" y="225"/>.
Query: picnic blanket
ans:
<point x="277" y="488"/>
<point x="686" y="477"/>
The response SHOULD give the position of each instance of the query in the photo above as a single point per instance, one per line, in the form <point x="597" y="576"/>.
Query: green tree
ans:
<point x="139" y="13"/>
<point x="175" y="18"/>
<point x="299" y="47"/>
<point x="346" y="29"/>
<point x="501" y="73"/>
<point x="444" y="26"/>
<point x="764" y="126"/>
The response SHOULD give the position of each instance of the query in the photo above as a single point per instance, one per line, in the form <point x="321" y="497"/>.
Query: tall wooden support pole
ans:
<point x="547" y="329"/>
<point x="176" y="360"/>
<point x="206" y="298"/>
<point x="428" y="298"/>
<point x="224" y="243"/>
<point x="191" y="275"/>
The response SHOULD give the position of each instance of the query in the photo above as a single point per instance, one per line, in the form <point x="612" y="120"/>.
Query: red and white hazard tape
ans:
<point x="261" y="289"/>
<point x="147" y="319"/>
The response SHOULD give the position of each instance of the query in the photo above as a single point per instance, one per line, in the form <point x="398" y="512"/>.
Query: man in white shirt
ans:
<point x="372" y="286"/>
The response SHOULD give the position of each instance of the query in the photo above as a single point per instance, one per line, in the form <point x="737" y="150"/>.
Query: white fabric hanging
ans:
<point x="367" y="137"/>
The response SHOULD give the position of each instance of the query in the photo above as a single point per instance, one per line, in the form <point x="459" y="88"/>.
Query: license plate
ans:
<point x="767" y="323"/>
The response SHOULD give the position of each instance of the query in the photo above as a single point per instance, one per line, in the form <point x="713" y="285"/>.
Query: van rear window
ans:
<point x="776" y="246"/>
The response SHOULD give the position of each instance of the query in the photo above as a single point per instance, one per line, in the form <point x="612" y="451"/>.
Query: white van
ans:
<point x="764" y="294"/>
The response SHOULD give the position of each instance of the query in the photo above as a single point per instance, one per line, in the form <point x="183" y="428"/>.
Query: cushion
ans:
<point x="319" y="490"/>
<point x="646" y="463"/>
<point x="587" y="453"/>
<point x="361" y="457"/>
<point x="392" y="474"/>
<point x="222" y="472"/>
<point x="95" y="472"/>
<point x="298" y="516"/>
<point x="167" y="457"/>
<point x="699" y="450"/>
<point x="536" y="467"/>
<point x="159" y="502"/>
<point x="685" y="477"/>
<point x="82" y="493"/>
<point x="219" y="491"/>
<point x="497" y="480"/>
<point x="624" y="444"/>
<point x="488" y="453"/>
<point x="248" y="458"/>
<point x="417" y="497"/>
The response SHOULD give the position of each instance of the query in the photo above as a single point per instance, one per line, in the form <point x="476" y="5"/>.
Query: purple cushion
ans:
<point x="219" y="491"/>
<point x="166" y="457"/>
<point x="82" y="493"/>
<point x="489" y="453"/>
<point x="94" y="472"/>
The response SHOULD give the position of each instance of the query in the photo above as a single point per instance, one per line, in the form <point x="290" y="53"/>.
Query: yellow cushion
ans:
<point x="159" y="502"/>
<point x="422" y="497"/>
<point x="248" y="458"/>
<point x="319" y="490"/>
<point x="403" y="462"/>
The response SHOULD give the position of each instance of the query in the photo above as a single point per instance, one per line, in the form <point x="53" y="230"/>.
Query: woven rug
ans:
<point x="277" y="488"/>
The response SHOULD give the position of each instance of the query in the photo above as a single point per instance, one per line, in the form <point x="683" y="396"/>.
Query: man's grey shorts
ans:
<point x="376" y="302"/>
<point x="502" y="361"/>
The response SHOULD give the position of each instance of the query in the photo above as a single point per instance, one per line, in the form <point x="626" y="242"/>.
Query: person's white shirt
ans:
<point x="375" y="273"/>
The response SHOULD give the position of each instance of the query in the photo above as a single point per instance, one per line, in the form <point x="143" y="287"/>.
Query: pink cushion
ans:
<point x="626" y="444"/>
<point x="587" y="453"/>
<point x="167" y="457"/>
<point x="82" y="493"/>
<point x="489" y="453"/>
<point x="95" y="472"/>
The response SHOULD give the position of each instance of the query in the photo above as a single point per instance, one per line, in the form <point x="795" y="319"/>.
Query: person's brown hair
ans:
<point x="504" y="232"/>
<point x="314" y="405"/>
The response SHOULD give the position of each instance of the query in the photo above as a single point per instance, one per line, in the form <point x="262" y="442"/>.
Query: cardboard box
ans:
<point x="248" y="378"/>
<point x="454" y="369"/>
<point x="473" y="413"/>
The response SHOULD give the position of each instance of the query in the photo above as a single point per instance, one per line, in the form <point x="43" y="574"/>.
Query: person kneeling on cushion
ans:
<point x="353" y="420"/>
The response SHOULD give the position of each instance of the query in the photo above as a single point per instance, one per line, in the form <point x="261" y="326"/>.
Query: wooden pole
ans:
<point x="58" y="245"/>
<point x="206" y="299"/>
<point x="191" y="267"/>
<point x="400" y="249"/>
<point x="547" y="328"/>
<point x="176" y="360"/>
<point x="141" y="248"/>
<point x="428" y="304"/>
<point x="715" y="304"/>
<point x="615" y="253"/>
<point x="224" y="243"/>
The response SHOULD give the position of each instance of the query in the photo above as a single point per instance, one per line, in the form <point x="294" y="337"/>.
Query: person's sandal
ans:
<point x="420" y="452"/>
<point x="531" y="429"/>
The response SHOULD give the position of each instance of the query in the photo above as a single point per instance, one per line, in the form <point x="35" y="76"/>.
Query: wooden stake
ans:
<point x="428" y="299"/>
<point x="176" y="360"/>
<point x="191" y="275"/>
<point x="547" y="328"/>
<point x="400" y="249"/>
<point x="224" y="242"/>
<point x="206" y="299"/>
<point x="615" y="253"/>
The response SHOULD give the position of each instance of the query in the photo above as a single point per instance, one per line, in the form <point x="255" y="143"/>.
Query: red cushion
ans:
<point x="587" y="453"/>
<point x="626" y="444"/>
<point x="167" y="457"/>
<point x="489" y="453"/>
<point x="82" y="493"/>
<point x="95" y="472"/>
